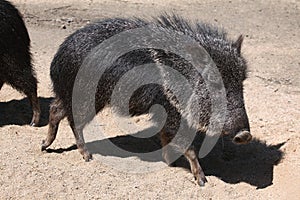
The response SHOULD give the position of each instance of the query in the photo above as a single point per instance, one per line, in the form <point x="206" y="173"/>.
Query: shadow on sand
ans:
<point x="252" y="163"/>
<point x="18" y="112"/>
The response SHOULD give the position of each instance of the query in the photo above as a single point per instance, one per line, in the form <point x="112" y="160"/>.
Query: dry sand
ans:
<point x="268" y="168"/>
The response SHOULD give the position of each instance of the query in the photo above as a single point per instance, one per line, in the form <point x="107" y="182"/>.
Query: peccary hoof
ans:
<point x="87" y="157"/>
<point x="43" y="147"/>
<point x="201" y="182"/>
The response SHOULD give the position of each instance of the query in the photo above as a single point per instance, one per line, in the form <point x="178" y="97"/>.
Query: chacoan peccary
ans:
<point x="225" y="53"/>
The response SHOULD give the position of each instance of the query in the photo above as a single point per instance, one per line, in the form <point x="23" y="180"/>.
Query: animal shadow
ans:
<point x="252" y="163"/>
<point x="19" y="112"/>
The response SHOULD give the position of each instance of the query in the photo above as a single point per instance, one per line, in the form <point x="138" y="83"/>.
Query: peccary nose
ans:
<point x="243" y="137"/>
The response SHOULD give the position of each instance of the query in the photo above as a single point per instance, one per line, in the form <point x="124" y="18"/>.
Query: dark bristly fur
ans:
<point x="15" y="58"/>
<point x="224" y="52"/>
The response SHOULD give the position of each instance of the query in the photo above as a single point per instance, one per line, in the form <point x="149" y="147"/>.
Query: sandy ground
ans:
<point x="267" y="168"/>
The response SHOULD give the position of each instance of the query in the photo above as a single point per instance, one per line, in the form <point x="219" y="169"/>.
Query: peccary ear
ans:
<point x="238" y="43"/>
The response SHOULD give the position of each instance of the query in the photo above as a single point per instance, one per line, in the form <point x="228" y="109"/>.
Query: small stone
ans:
<point x="70" y="20"/>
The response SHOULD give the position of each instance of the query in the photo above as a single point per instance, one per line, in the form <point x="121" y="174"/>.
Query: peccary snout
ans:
<point x="243" y="137"/>
<point x="237" y="126"/>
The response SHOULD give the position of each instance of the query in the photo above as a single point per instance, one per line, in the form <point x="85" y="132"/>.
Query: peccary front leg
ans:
<point x="165" y="139"/>
<point x="196" y="169"/>
<point x="190" y="154"/>
<point x="56" y="114"/>
<point x="78" y="133"/>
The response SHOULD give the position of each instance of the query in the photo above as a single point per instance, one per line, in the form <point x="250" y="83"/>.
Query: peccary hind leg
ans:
<point x="189" y="154"/>
<point x="56" y="114"/>
<point x="1" y="84"/>
<point x="29" y="87"/>
<point x="31" y="93"/>
<point x="34" y="102"/>
<point x="78" y="133"/>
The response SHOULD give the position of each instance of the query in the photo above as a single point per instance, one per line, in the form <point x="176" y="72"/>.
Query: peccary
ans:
<point x="15" y="57"/>
<point x="225" y="53"/>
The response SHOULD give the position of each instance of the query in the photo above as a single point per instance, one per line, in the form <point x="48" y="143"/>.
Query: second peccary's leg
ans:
<point x="78" y="133"/>
<point x="56" y="114"/>
<point x="25" y="82"/>
<point x="30" y="91"/>
<point x="1" y="84"/>
<point x="34" y="102"/>
<point x="196" y="169"/>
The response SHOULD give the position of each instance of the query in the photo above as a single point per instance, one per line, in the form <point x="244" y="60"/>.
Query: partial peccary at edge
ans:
<point x="15" y="57"/>
<point x="224" y="52"/>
